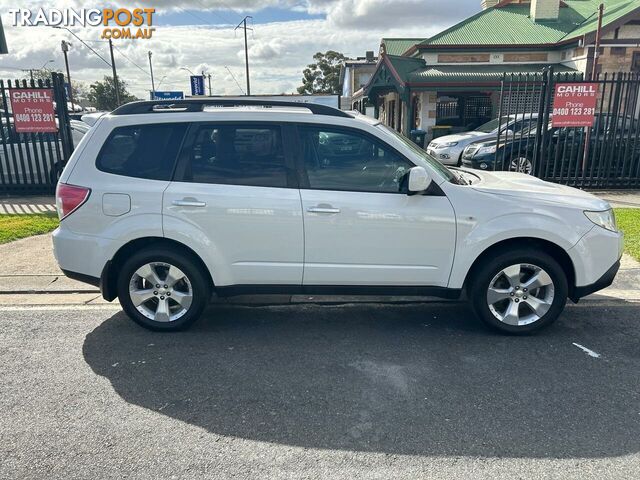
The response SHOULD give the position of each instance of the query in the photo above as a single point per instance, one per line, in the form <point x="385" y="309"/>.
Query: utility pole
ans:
<point x="115" y="75"/>
<point x="204" y="77"/>
<point x="65" y="49"/>
<point x="209" y="76"/>
<point x="594" y="75"/>
<point x="246" y="50"/>
<point x="153" y="86"/>
<point x="596" y="52"/>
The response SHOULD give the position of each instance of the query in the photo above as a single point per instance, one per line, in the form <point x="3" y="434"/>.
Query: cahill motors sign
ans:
<point x="574" y="104"/>
<point x="117" y="22"/>
<point x="33" y="110"/>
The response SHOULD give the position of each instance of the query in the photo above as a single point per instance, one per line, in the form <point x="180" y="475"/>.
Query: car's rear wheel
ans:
<point x="519" y="291"/>
<point x="162" y="290"/>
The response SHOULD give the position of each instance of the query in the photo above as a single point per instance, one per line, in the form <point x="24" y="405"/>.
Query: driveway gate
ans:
<point x="30" y="163"/>
<point x="606" y="155"/>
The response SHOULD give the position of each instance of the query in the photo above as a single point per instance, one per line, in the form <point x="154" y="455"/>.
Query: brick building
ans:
<point x="452" y="79"/>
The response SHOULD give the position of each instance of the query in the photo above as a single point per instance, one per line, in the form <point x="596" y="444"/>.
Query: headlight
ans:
<point x="484" y="150"/>
<point x="605" y="219"/>
<point x="445" y="145"/>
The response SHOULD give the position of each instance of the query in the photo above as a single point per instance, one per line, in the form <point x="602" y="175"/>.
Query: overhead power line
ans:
<point x="132" y="62"/>
<point x="235" y="79"/>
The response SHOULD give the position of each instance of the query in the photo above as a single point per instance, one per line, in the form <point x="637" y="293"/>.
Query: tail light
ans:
<point x="69" y="198"/>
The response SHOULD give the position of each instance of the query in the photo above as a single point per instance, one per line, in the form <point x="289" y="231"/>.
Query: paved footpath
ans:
<point x="29" y="275"/>
<point x="25" y="205"/>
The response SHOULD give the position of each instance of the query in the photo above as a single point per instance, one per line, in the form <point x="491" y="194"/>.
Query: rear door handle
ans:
<point x="319" y="209"/>
<point x="189" y="203"/>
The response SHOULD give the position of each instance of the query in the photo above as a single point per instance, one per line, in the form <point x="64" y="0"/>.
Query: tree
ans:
<point x="323" y="76"/>
<point x="39" y="74"/>
<point x="102" y="95"/>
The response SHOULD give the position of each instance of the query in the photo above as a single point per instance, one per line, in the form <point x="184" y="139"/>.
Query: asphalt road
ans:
<point x="306" y="391"/>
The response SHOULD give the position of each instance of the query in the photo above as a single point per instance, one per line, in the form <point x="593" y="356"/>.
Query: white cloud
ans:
<point x="279" y="51"/>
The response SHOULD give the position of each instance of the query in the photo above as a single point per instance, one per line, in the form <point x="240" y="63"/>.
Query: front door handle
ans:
<point x="188" y="202"/>
<point x="323" y="209"/>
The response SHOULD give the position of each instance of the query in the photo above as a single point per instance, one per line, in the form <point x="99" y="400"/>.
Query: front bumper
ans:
<point x="603" y="282"/>
<point x="596" y="260"/>
<point x="479" y="163"/>
<point x="446" y="156"/>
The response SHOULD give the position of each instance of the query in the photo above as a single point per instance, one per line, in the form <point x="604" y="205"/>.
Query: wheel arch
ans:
<point x="109" y="277"/>
<point x="554" y="250"/>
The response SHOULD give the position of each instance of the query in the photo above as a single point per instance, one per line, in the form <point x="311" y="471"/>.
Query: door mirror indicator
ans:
<point x="419" y="180"/>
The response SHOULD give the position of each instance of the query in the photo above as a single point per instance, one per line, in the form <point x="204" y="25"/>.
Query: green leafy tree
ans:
<point x="323" y="76"/>
<point x="102" y="95"/>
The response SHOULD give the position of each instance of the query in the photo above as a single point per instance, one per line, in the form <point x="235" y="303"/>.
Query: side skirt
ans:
<point x="426" y="291"/>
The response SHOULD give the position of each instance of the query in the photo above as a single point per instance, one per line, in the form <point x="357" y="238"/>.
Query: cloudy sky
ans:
<point x="199" y="34"/>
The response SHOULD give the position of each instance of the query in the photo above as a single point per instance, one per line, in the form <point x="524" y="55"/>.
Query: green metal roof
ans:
<point x="512" y="25"/>
<point x="475" y="73"/>
<point x="397" y="46"/>
<point x="405" y="65"/>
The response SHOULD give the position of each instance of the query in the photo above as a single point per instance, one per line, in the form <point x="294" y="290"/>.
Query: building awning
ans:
<point x="474" y="75"/>
<point x="399" y="73"/>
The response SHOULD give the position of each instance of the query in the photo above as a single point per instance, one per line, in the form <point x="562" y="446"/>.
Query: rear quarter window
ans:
<point x="142" y="151"/>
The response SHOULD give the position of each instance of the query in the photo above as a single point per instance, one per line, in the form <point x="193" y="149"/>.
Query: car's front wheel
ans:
<point x="521" y="164"/>
<point x="162" y="290"/>
<point x="519" y="291"/>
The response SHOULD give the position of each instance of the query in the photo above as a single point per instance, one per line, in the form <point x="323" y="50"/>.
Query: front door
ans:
<point x="358" y="228"/>
<point x="235" y="194"/>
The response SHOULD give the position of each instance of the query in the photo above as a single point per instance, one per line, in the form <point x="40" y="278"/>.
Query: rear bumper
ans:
<point x="603" y="282"/>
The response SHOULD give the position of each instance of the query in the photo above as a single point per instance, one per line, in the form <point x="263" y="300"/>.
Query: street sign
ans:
<point x="167" y="95"/>
<point x="197" y="85"/>
<point x="33" y="110"/>
<point x="574" y="104"/>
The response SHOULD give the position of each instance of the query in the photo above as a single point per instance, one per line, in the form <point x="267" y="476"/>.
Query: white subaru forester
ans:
<point x="165" y="203"/>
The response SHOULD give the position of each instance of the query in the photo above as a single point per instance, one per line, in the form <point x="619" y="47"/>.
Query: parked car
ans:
<point x="516" y="153"/>
<point x="448" y="149"/>
<point x="162" y="205"/>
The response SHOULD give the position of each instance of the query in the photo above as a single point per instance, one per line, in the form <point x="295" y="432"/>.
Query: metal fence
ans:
<point x="30" y="163"/>
<point x="606" y="155"/>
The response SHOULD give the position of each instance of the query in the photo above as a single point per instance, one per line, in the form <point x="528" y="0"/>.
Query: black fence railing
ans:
<point x="606" y="155"/>
<point x="30" y="163"/>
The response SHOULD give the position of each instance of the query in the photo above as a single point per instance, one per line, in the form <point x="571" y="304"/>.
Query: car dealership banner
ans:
<point x="197" y="85"/>
<point x="33" y="110"/>
<point x="167" y="95"/>
<point x="574" y="104"/>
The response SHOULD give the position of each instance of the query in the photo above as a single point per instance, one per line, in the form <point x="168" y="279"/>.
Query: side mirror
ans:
<point x="419" y="180"/>
<point x="509" y="133"/>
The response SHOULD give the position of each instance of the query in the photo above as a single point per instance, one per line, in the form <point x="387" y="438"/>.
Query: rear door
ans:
<point x="359" y="228"/>
<point x="235" y="194"/>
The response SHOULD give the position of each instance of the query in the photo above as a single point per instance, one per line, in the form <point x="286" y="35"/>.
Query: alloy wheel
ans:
<point x="161" y="292"/>
<point x="520" y="294"/>
<point x="522" y="165"/>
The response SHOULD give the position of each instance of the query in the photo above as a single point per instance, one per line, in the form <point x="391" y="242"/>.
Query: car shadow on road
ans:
<point x="400" y="379"/>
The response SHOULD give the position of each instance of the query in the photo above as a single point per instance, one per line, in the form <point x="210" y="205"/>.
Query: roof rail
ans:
<point x="197" y="105"/>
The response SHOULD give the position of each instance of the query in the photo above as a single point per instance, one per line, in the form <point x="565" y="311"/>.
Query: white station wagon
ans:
<point x="165" y="203"/>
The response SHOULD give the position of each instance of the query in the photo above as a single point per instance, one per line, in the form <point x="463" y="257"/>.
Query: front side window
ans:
<point x="349" y="161"/>
<point x="142" y="151"/>
<point x="235" y="155"/>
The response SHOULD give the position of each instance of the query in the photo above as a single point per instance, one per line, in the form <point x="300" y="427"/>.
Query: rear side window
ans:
<point x="142" y="151"/>
<point x="250" y="155"/>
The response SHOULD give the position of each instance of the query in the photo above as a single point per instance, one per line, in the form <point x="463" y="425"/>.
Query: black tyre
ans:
<point x="519" y="291"/>
<point x="162" y="289"/>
